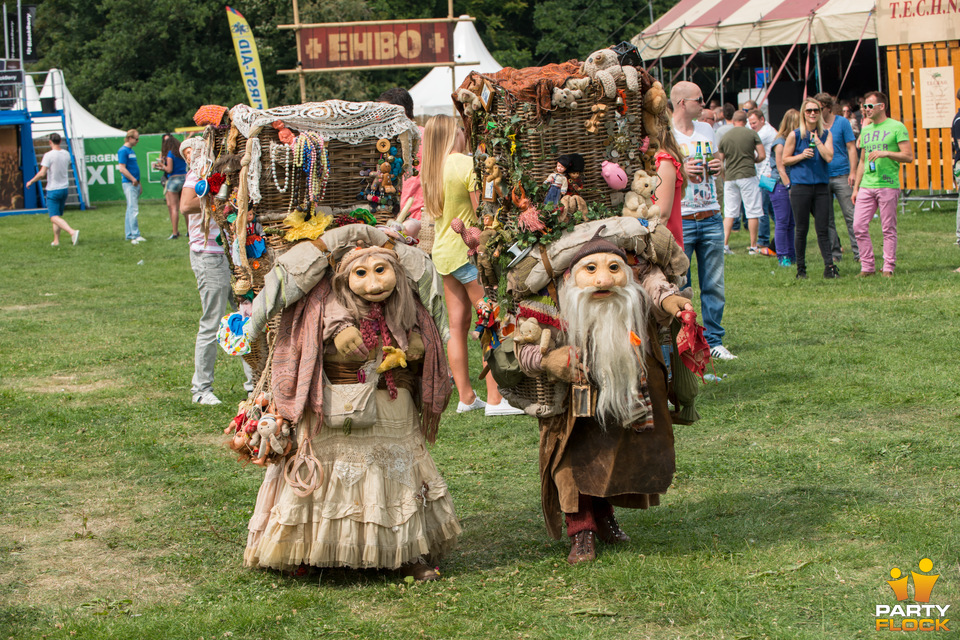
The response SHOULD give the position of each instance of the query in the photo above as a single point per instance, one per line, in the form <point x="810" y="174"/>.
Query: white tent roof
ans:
<point x="729" y="24"/>
<point x="431" y="96"/>
<point x="83" y="124"/>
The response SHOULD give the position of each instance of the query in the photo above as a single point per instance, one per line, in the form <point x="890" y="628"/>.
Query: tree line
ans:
<point x="148" y="64"/>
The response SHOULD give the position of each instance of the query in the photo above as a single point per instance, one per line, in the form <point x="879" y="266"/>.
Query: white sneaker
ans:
<point x="502" y="409"/>
<point x="720" y="352"/>
<point x="727" y="251"/>
<point x="135" y="241"/>
<point x="477" y="404"/>
<point x="140" y="239"/>
<point x="206" y="398"/>
<point x="75" y="236"/>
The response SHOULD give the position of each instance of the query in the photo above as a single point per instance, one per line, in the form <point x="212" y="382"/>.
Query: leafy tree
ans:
<point x="148" y="64"/>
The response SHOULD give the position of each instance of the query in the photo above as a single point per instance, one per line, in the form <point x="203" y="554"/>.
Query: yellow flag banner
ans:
<point x="248" y="59"/>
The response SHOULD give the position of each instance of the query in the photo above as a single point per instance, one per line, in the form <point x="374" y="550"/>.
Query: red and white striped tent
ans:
<point x="730" y="25"/>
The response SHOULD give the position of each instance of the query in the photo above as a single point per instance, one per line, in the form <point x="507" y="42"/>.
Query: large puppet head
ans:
<point x="603" y="304"/>
<point x="368" y="275"/>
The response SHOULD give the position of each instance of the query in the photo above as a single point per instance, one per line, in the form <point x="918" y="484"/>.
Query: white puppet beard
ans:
<point x="600" y="329"/>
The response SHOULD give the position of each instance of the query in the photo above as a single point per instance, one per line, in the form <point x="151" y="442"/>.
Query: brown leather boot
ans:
<point x="583" y="547"/>
<point x="420" y="571"/>
<point x="609" y="530"/>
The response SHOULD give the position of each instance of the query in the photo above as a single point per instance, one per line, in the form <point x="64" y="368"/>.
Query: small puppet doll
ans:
<point x="573" y="201"/>
<point x="557" y="180"/>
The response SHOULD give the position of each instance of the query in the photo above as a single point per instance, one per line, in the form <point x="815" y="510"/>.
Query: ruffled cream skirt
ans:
<point x="382" y="502"/>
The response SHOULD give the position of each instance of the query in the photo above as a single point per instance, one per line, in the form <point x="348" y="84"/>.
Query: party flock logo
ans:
<point x="922" y="616"/>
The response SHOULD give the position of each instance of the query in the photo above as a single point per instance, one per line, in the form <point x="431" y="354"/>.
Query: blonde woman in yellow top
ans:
<point x="450" y="191"/>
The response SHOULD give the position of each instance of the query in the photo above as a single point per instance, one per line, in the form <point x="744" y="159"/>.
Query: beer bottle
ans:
<point x="698" y="156"/>
<point x="707" y="157"/>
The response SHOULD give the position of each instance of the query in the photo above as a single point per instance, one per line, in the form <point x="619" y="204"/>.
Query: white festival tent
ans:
<point x="728" y="25"/>
<point x="80" y="123"/>
<point x="431" y="96"/>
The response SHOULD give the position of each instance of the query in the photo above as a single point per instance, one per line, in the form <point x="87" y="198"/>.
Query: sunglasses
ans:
<point x="697" y="100"/>
<point x="867" y="105"/>
<point x="811" y="110"/>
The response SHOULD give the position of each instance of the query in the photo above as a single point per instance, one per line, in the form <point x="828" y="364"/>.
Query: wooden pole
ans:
<point x="303" y="80"/>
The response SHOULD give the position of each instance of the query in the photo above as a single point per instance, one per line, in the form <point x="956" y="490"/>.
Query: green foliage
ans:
<point x="149" y="64"/>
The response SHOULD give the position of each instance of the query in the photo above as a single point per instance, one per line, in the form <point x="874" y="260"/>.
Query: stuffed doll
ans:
<point x="491" y="180"/>
<point x="557" y="180"/>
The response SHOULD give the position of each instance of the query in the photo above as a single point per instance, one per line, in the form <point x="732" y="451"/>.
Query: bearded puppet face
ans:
<point x="372" y="278"/>
<point x="602" y="271"/>
<point x="603" y="304"/>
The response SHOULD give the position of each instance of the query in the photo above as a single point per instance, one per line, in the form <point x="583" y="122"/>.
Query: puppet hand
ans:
<point x="675" y="304"/>
<point x="415" y="349"/>
<point x="349" y="342"/>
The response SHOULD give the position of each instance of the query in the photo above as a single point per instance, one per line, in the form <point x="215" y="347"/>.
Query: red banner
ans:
<point x="376" y="45"/>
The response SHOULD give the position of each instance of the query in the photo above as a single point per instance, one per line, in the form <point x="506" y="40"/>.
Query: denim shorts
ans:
<point x="175" y="183"/>
<point x="56" y="199"/>
<point x="466" y="273"/>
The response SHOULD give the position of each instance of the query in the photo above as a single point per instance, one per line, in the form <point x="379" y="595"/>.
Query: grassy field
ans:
<point x="827" y="456"/>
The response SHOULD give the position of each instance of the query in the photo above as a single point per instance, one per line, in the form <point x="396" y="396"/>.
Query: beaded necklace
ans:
<point x="287" y="154"/>
<point x="310" y="154"/>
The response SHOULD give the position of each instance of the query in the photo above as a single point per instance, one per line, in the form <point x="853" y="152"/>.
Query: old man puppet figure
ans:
<point x="613" y="442"/>
<point x="362" y="490"/>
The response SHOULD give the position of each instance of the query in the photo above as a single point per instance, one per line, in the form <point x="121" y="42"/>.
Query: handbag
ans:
<point x="351" y="405"/>
<point x="768" y="183"/>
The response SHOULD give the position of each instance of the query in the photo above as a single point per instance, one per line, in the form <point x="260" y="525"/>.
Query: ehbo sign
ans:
<point x="375" y="45"/>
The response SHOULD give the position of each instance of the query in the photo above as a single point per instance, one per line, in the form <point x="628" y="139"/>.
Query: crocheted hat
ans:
<point x="209" y="114"/>
<point x="596" y="244"/>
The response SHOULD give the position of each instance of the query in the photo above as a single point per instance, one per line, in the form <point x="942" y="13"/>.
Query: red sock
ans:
<point x="583" y="519"/>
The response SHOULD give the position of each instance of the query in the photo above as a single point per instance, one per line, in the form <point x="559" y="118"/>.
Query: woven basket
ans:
<point x="538" y="397"/>
<point x="564" y="131"/>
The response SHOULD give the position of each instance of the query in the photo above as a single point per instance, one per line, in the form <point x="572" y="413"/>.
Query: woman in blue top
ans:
<point x="174" y="166"/>
<point x="807" y="152"/>
<point x="780" y="197"/>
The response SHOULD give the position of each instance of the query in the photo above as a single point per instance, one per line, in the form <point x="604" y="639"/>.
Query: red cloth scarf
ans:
<point x="691" y="345"/>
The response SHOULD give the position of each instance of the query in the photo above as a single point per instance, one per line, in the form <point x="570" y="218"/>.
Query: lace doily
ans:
<point x="393" y="461"/>
<point x="351" y="122"/>
<point x="253" y="172"/>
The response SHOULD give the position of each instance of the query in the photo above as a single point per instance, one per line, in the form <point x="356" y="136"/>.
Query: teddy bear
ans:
<point x="273" y="434"/>
<point x="530" y="332"/>
<point x="385" y="181"/>
<point x="654" y="108"/>
<point x="638" y="202"/>
<point x="577" y="84"/>
<point x="564" y="98"/>
<point x="469" y="100"/>
<point x="604" y="67"/>
<point x="491" y="180"/>
<point x="593" y="123"/>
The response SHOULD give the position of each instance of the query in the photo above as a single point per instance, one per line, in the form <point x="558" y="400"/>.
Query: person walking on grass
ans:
<point x="175" y="169"/>
<point x="884" y="144"/>
<point x="212" y="271"/>
<point x="700" y="211"/>
<point x="807" y="151"/>
<point x="740" y="149"/>
<point x="450" y="191"/>
<point x="55" y="165"/>
<point x="130" y="180"/>
<point x="842" y="171"/>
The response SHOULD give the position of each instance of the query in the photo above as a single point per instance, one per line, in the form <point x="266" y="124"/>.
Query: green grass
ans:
<point x="827" y="456"/>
